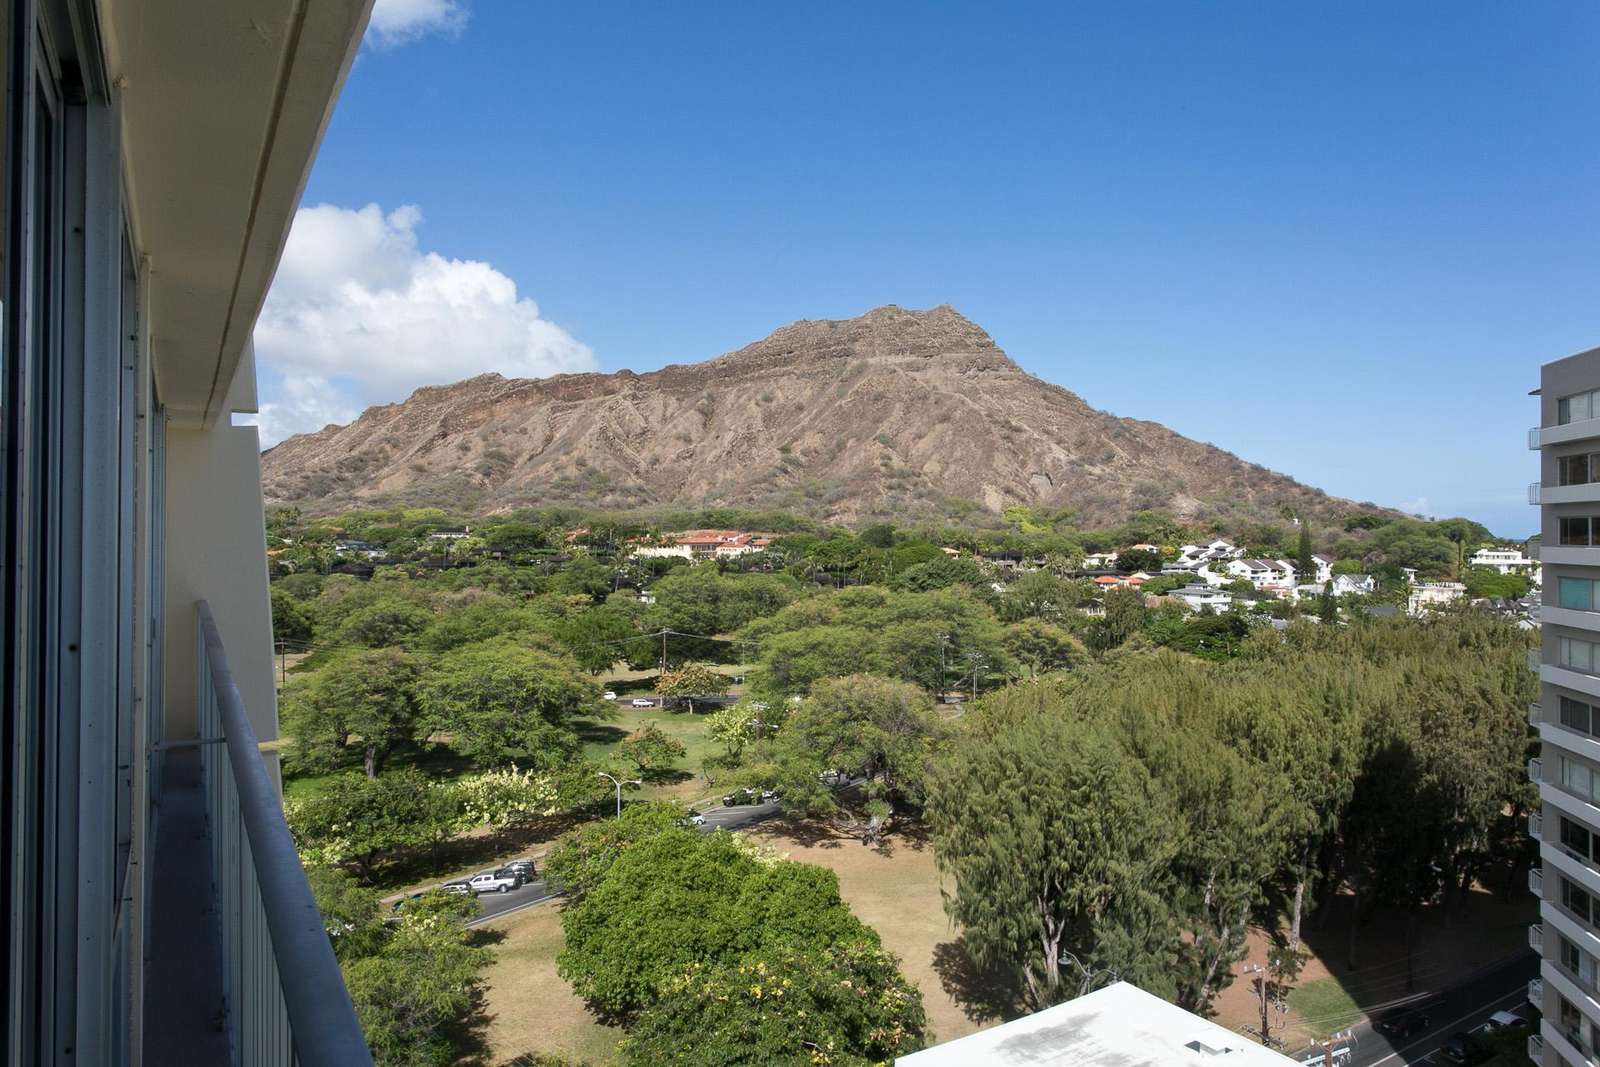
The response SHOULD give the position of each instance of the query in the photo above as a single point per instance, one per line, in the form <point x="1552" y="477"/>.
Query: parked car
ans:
<point x="524" y="867"/>
<point x="1502" y="1022"/>
<point x="1464" y="1048"/>
<point x="492" y="882"/>
<point x="460" y="889"/>
<point x="640" y="702"/>
<point x="769" y="796"/>
<point x="694" y="818"/>
<point x="1403" y="1024"/>
<point x="608" y="695"/>
<point x="739" y="796"/>
<point x="516" y="874"/>
<point x="403" y="901"/>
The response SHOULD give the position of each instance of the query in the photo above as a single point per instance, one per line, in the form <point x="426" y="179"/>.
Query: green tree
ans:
<point x="1303" y="556"/>
<point x="365" y="700"/>
<point x="733" y="727"/>
<point x="501" y="701"/>
<point x="1130" y="560"/>
<point x="389" y="621"/>
<point x="678" y="898"/>
<point x="583" y="856"/>
<point x="843" y="1004"/>
<point x="691" y="681"/>
<point x="650" y="749"/>
<point x="600" y="636"/>
<point x="1042" y="647"/>
<point x="360" y="820"/>
<point x="883" y="731"/>
<point x="291" y="621"/>
<point x="426" y="978"/>
<point x="1059" y="848"/>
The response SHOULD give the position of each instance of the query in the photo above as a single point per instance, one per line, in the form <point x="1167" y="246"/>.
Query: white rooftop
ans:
<point x="1118" y="1026"/>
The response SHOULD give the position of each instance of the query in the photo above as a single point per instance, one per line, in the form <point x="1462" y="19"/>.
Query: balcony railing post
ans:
<point x="279" y="973"/>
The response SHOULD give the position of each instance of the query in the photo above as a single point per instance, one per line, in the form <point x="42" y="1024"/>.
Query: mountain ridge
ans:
<point x="895" y="412"/>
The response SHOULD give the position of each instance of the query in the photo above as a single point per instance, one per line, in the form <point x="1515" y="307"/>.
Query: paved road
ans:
<point x="1463" y="1006"/>
<point x="496" y="905"/>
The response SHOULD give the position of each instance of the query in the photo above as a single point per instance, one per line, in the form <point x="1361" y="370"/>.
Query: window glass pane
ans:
<point x="1564" y="410"/>
<point x="1576" y="593"/>
<point x="1580" y="407"/>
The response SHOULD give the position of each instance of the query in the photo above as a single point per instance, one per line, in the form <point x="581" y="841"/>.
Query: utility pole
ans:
<point x="1336" y="1047"/>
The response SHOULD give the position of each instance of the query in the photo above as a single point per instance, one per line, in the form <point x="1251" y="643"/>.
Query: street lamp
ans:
<point x="619" y="785"/>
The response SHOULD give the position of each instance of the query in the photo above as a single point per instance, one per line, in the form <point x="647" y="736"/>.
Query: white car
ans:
<point x="608" y="695"/>
<point x="1502" y="1021"/>
<point x="640" y="702"/>
<point x="694" y="818"/>
<point x="492" y="882"/>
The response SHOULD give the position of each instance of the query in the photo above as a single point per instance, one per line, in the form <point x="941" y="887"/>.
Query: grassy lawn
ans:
<point x="1325" y="1005"/>
<point x="530" y="1007"/>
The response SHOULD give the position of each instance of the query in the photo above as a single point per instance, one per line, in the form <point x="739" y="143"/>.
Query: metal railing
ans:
<point x="1536" y="1048"/>
<point x="285" y="999"/>
<point x="1533" y="492"/>
<point x="1536" y="937"/>
<point x="1536" y="825"/>
<point x="1536" y="881"/>
<point x="1533" y="438"/>
<point x="1536" y="992"/>
<point x="1535" y="659"/>
<point x="1533" y="713"/>
<point x="1535" y="769"/>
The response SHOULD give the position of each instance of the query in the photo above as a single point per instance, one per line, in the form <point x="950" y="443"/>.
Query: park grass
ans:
<point x="1325" y="1005"/>
<point x="530" y="1007"/>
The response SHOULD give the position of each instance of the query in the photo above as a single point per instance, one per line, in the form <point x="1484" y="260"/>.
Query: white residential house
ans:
<point x="1264" y="573"/>
<point x="1095" y="561"/>
<point x="1204" y="596"/>
<point x="363" y="549"/>
<point x="1507" y="561"/>
<point x="1354" y="584"/>
<point x="1428" y="595"/>
<point x="1191" y="556"/>
<point x="663" y="551"/>
<point x="1324" y="566"/>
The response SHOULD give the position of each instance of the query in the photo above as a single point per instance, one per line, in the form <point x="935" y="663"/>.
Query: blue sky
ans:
<point x="1338" y="242"/>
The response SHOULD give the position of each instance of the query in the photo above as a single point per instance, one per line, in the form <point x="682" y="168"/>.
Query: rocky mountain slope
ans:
<point x="896" y="412"/>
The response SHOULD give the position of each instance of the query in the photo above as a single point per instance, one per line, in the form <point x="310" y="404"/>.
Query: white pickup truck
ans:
<point x="492" y="882"/>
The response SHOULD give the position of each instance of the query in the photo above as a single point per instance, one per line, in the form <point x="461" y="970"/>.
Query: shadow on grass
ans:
<point x="591" y="732"/>
<point x="984" y="995"/>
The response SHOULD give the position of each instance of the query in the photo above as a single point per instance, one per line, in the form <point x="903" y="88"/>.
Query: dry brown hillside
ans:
<point x="896" y="412"/>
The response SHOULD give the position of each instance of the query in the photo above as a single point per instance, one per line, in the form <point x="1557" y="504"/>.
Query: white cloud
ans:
<point x="1419" y="506"/>
<point x="397" y="22"/>
<point x="359" y="314"/>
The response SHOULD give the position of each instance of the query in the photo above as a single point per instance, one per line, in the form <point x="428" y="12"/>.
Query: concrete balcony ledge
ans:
<point x="1570" y="555"/>
<point x="1581" y="430"/>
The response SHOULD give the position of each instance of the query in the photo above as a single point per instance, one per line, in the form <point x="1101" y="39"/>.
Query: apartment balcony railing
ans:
<point x="1536" y="825"/>
<point x="1535" y="770"/>
<point x="1536" y="937"/>
<point x="1536" y="881"/>
<point x="285" y="1000"/>
<point x="1536" y="1048"/>
<point x="1535" y="659"/>
<point x="1536" y="992"/>
<point x="1533" y="713"/>
<point x="1533" y="492"/>
<point x="1533" y="438"/>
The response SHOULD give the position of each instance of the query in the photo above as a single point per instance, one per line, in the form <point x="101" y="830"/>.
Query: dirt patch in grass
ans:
<point x="895" y="890"/>
<point x="530" y="1008"/>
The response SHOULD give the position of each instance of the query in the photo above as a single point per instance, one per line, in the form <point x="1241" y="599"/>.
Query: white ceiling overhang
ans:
<point x="223" y="106"/>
